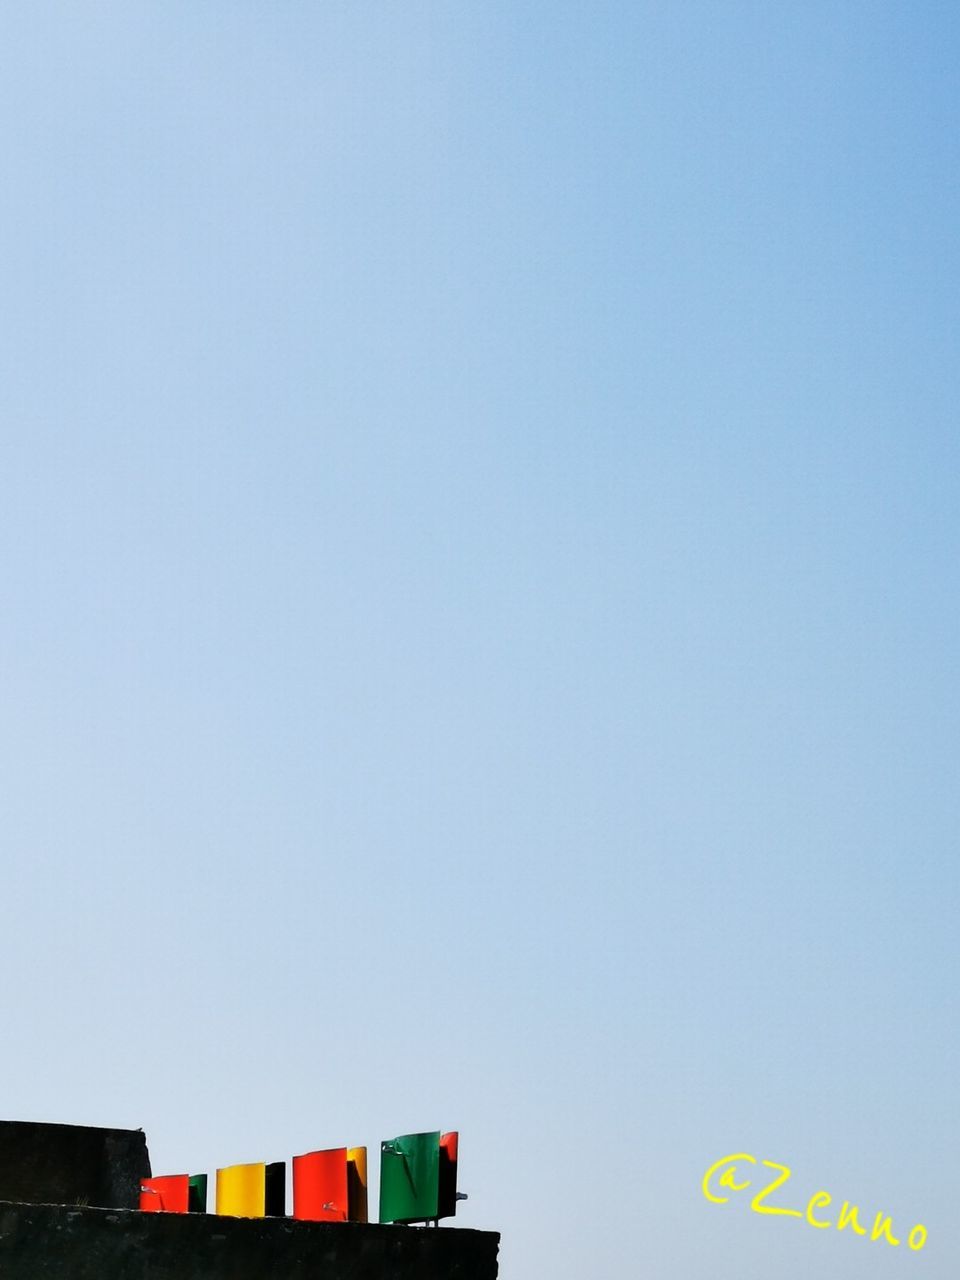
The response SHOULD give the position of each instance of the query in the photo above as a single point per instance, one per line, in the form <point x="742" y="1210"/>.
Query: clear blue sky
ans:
<point x="479" y="631"/>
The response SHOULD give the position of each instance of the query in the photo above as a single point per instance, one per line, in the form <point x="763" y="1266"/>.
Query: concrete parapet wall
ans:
<point x="65" y="1242"/>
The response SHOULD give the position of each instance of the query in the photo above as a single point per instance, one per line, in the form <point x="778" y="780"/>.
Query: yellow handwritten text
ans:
<point x="728" y="1174"/>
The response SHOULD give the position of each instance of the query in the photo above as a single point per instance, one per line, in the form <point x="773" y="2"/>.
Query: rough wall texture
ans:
<point x="72" y="1164"/>
<point x="60" y="1242"/>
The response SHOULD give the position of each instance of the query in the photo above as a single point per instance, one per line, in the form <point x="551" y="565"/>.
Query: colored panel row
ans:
<point x="418" y="1183"/>
<point x="328" y="1186"/>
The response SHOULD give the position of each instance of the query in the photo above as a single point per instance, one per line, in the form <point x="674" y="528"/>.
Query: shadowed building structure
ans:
<point x="72" y="1164"/>
<point x="68" y="1198"/>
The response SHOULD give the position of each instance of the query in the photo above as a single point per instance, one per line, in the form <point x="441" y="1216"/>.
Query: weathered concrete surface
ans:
<point x="60" y="1242"/>
<point x="72" y="1164"/>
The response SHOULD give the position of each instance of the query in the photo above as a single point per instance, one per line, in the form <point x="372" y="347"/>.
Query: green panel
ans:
<point x="410" y="1177"/>
<point x="198" y="1193"/>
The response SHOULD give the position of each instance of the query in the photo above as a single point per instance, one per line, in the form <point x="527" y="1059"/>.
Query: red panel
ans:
<point x="449" y="1143"/>
<point x="320" y="1186"/>
<point x="165" y="1195"/>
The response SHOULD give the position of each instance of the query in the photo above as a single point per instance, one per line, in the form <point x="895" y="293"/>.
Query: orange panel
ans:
<point x="320" y="1186"/>
<point x="165" y="1195"/>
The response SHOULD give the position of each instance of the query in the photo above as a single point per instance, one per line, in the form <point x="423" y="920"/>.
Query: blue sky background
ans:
<point x="479" y="638"/>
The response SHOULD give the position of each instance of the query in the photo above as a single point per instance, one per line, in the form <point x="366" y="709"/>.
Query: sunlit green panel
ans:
<point x="410" y="1177"/>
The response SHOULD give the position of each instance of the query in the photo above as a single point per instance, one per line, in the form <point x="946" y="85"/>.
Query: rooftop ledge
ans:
<point x="74" y="1242"/>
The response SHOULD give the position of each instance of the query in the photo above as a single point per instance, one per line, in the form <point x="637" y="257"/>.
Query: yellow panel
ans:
<point x="241" y="1191"/>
